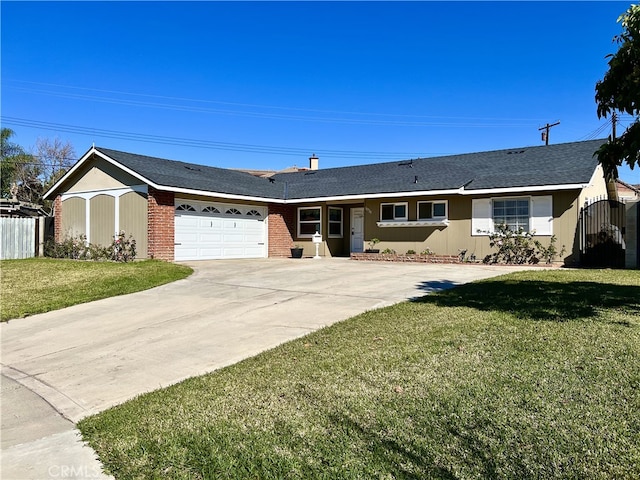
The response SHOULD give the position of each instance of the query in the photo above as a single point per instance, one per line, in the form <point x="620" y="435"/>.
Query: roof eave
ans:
<point x="364" y="196"/>
<point x="532" y="188"/>
<point x="230" y="196"/>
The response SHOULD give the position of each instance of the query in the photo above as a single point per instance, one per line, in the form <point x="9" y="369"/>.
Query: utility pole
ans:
<point x="545" y="134"/>
<point x="614" y="120"/>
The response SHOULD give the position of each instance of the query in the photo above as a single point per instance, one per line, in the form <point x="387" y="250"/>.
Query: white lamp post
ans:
<point x="317" y="240"/>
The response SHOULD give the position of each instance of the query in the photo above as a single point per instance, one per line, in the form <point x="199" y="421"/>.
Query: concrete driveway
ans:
<point x="62" y="366"/>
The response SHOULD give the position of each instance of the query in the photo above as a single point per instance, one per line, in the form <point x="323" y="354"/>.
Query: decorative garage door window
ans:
<point x="210" y="210"/>
<point x="185" y="208"/>
<point x="253" y="213"/>
<point x="233" y="211"/>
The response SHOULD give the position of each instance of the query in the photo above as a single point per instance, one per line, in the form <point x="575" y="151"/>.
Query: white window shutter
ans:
<point x="542" y="215"/>
<point x="481" y="216"/>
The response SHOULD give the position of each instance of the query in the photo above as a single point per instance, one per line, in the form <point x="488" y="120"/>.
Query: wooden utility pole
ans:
<point x="614" y="120"/>
<point x="545" y="134"/>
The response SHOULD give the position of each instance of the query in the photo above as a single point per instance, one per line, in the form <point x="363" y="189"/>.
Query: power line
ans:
<point x="502" y="121"/>
<point x="598" y="131"/>
<point x="208" y="144"/>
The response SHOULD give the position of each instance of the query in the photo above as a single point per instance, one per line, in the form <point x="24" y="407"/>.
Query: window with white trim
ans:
<point x="529" y="213"/>
<point x="512" y="212"/>
<point x="253" y="213"/>
<point x="210" y="209"/>
<point x="390" y="212"/>
<point x="233" y="211"/>
<point x="335" y="222"/>
<point x="309" y="221"/>
<point x="432" y="210"/>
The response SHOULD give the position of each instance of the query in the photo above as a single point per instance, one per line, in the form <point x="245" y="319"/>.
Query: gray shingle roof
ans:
<point x="562" y="164"/>
<point x="172" y="173"/>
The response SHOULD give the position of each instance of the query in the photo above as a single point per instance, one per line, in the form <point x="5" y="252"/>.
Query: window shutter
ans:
<point x="481" y="221"/>
<point x="542" y="215"/>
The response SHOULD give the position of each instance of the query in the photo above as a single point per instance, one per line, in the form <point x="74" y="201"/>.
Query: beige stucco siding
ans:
<point x="457" y="235"/>
<point x="445" y="240"/>
<point x="98" y="174"/>
<point x="597" y="187"/>
<point x="74" y="217"/>
<point x="103" y="220"/>
<point x="133" y="220"/>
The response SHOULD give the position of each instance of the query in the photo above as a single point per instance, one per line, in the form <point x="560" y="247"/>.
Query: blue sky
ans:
<point x="264" y="85"/>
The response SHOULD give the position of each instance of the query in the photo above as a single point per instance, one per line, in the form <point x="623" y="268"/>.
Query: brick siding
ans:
<point x="57" y="219"/>
<point x="161" y="225"/>
<point x="281" y="227"/>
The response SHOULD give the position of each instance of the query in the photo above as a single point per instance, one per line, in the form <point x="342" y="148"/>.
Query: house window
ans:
<point x="335" y="222"/>
<point x="309" y="221"/>
<point x="432" y="210"/>
<point x="393" y="211"/>
<point x="533" y="214"/>
<point x="512" y="212"/>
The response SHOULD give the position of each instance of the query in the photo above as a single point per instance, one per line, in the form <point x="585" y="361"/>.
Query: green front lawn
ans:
<point x="38" y="285"/>
<point x="530" y="375"/>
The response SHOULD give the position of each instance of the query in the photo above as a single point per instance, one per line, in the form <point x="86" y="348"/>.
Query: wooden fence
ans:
<point x="18" y="237"/>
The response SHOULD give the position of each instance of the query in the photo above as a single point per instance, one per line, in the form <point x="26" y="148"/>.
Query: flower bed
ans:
<point x="411" y="258"/>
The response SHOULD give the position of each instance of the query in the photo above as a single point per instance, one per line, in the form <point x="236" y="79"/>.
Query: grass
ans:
<point x="38" y="285"/>
<point x="529" y="375"/>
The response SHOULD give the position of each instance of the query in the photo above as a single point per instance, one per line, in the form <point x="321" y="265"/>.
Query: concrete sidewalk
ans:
<point x="62" y="366"/>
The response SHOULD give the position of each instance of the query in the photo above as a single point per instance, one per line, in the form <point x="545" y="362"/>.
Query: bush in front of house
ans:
<point x="520" y="247"/>
<point x="121" y="249"/>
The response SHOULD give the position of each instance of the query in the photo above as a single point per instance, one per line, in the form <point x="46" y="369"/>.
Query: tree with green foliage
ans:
<point x="28" y="175"/>
<point x="619" y="91"/>
<point x="11" y="155"/>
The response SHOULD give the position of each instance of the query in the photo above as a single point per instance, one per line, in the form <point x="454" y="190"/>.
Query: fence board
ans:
<point x="17" y="238"/>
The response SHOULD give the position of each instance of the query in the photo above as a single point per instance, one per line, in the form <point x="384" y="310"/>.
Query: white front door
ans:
<point x="357" y="230"/>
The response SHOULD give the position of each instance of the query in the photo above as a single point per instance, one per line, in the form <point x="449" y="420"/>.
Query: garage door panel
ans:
<point x="233" y="237"/>
<point x="211" y="252"/>
<point x="185" y="253"/>
<point x="186" y="237"/>
<point x="210" y="237"/>
<point x="187" y="221"/>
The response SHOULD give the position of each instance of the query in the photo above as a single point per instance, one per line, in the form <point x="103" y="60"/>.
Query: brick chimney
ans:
<point x="313" y="162"/>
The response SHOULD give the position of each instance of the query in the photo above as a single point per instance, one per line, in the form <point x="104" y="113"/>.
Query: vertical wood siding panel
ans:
<point x="74" y="215"/>
<point x="103" y="217"/>
<point x="133" y="220"/>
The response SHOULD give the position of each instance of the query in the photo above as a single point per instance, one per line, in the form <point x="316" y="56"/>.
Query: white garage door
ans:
<point x="205" y="231"/>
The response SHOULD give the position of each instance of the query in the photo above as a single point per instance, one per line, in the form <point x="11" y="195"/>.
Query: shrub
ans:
<point x="411" y="252"/>
<point x="427" y="251"/>
<point x="121" y="249"/>
<point x="389" y="251"/>
<point x="519" y="247"/>
<point x="75" y="248"/>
